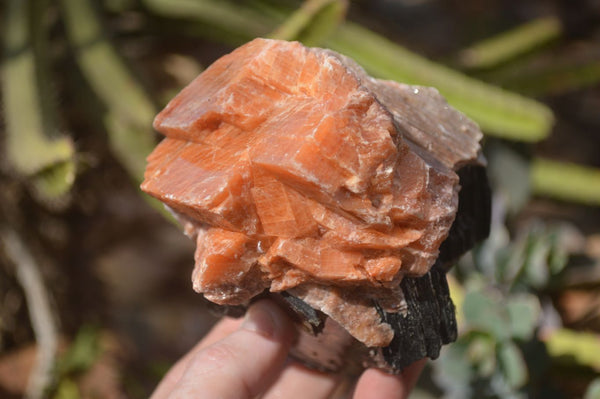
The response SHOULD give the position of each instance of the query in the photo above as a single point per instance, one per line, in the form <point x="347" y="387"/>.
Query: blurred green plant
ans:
<point x="529" y="261"/>
<point x="35" y="150"/>
<point x="130" y="110"/>
<point x="486" y="360"/>
<point x="511" y="44"/>
<point x="579" y="346"/>
<point x="82" y="353"/>
<point x="593" y="391"/>
<point x="313" y="22"/>
<point x="67" y="390"/>
<point x="499" y="290"/>
<point x="221" y="21"/>
<point x="550" y="74"/>
<point x="566" y="181"/>
<point x="80" y="356"/>
<point x="515" y="61"/>
<point x="498" y="112"/>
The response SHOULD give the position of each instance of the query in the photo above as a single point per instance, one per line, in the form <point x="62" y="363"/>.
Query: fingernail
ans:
<point x="263" y="318"/>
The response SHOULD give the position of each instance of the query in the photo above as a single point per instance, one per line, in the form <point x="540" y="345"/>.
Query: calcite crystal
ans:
<point x="294" y="170"/>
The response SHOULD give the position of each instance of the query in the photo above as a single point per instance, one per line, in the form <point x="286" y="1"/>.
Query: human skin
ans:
<point x="245" y="359"/>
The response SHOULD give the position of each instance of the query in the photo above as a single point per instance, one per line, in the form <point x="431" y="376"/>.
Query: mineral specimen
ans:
<point x="296" y="171"/>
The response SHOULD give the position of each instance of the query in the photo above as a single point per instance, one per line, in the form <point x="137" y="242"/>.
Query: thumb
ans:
<point x="243" y="364"/>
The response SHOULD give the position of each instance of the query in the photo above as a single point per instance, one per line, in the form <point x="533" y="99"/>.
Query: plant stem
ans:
<point x="566" y="181"/>
<point x="40" y="313"/>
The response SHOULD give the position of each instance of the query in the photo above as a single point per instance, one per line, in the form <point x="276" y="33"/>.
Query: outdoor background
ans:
<point x="95" y="280"/>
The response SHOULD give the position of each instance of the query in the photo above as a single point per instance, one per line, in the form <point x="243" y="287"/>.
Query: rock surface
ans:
<point x="297" y="171"/>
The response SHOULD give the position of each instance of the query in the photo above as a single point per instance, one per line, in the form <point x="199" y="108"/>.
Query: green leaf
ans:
<point x="512" y="364"/>
<point x="219" y="20"/>
<point x="482" y="353"/>
<point x="34" y="146"/>
<point x="313" y="22"/>
<point x="532" y="259"/>
<point x="536" y="269"/>
<point x="82" y="353"/>
<point x="485" y="312"/>
<point x="67" y="389"/>
<point x="55" y="181"/>
<point x="510" y="260"/>
<point x="511" y="44"/>
<point x="509" y="174"/>
<point x="548" y="74"/>
<point x="558" y="256"/>
<point x="523" y="314"/>
<point x="119" y="6"/>
<point x="131" y="145"/>
<point x="580" y="346"/>
<point x="593" y="390"/>
<point x="131" y="112"/>
<point x="498" y="112"/>
<point x="453" y="371"/>
<point x="566" y="181"/>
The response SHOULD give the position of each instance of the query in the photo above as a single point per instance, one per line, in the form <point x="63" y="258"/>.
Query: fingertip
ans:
<point x="412" y="373"/>
<point x="267" y="319"/>
<point x="375" y="383"/>
<point x="244" y="363"/>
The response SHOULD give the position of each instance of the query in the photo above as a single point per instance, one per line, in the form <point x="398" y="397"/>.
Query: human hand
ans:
<point x="242" y="359"/>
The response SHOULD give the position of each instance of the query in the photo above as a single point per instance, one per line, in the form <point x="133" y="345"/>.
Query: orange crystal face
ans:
<point x="290" y="169"/>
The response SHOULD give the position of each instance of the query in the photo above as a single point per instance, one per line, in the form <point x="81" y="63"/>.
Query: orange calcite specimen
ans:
<point x="296" y="169"/>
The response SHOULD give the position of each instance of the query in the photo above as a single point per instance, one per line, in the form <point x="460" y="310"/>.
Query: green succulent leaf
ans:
<point x="509" y="173"/>
<point x="34" y="147"/>
<point x="482" y="354"/>
<point x="219" y="20"/>
<point x="547" y="74"/>
<point x="583" y="347"/>
<point x="566" y="181"/>
<point x="82" y="353"/>
<point x="67" y="389"/>
<point x="484" y="312"/>
<point x="523" y="314"/>
<point x="593" y="390"/>
<point x="131" y="112"/>
<point x="55" y="181"/>
<point x="313" y="22"/>
<point x="498" y="112"/>
<point x="512" y="364"/>
<point x="453" y="370"/>
<point x="512" y="43"/>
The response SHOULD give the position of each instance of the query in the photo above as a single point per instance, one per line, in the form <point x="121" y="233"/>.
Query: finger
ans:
<point x="222" y="329"/>
<point x="375" y="383"/>
<point x="299" y="382"/>
<point x="243" y="364"/>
